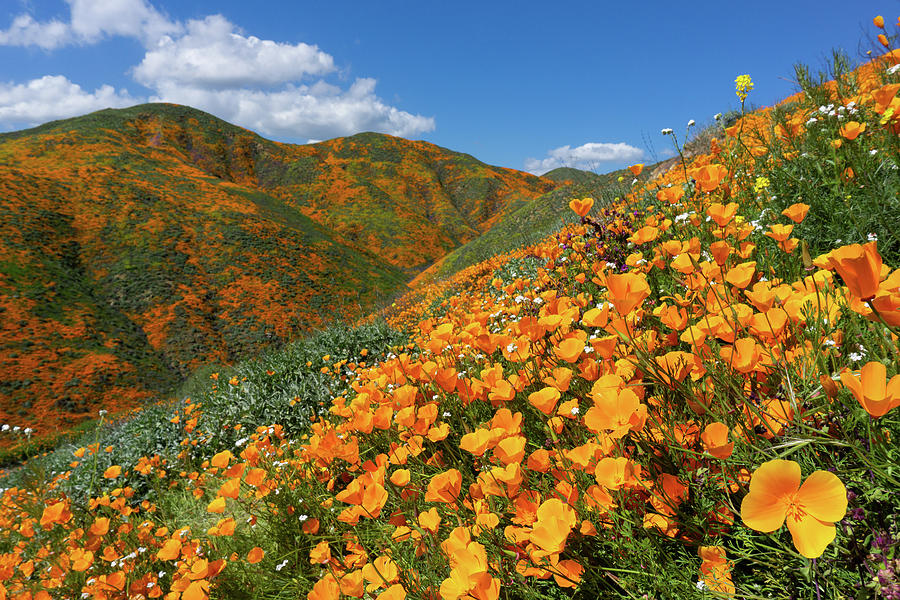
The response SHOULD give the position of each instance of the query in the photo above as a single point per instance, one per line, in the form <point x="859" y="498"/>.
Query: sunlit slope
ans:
<point x="525" y="223"/>
<point x="141" y="243"/>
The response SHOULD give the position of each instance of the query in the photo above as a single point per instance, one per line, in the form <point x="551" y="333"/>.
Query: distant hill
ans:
<point x="522" y="224"/>
<point x="139" y="244"/>
<point x="568" y="175"/>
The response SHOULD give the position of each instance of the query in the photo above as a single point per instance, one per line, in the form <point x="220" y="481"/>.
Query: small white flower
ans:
<point x="281" y="565"/>
<point x="691" y="123"/>
<point x="872" y="237"/>
<point x="873" y="152"/>
<point x="893" y="69"/>
<point x="666" y="131"/>
<point x="717" y="116"/>
<point x="575" y="410"/>
<point x="302" y="518"/>
<point x="855" y="357"/>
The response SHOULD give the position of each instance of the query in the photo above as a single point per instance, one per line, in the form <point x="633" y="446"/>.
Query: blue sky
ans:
<point x="526" y="85"/>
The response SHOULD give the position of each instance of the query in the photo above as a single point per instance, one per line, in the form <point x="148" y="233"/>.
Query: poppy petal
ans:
<point x="823" y="496"/>
<point x="776" y="477"/>
<point x="811" y="536"/>
<point x="763" y="512"/>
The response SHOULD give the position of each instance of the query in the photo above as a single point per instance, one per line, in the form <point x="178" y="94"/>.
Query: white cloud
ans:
<point x="320" y="111"/>
<point x="55" y="97"/>
<point x="89" y="22"/>
<point x="274" y="88"/>
<point x="25" y="31"/>
<point x="587" y="157"/>
<point x="211" y="54"/>
<point x="94" y="19"/>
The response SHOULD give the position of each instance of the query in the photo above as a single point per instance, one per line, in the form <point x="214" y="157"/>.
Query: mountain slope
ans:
<point x="522" y="224"/>
<point x="138" y="244"/>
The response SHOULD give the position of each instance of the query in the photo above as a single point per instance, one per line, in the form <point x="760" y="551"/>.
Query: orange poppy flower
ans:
<point x="325" y="589"/>
<point x="878" y="22"/>
<point x="567" y="573"/>
<point x="511" y="449"/>
<point x="722" y="214"/>
<point x="715" y="440"/>
<point x="320" y="554"/>
<point x="644" y="235"/>
<point x="810" y="509"/>
<point x="779" y="232"/>
<point x="715" y="571"/>
<point x="112" y="472"/>
<point x="81" y="559"/>
<point x="741" y="275"/>
<point x="170" y="550"/>
<point x="545" y="400"/>
<point x="852" y="129"/>
<point x="581" y="206"/>
<point x="444" y="487"/>
<point x="743" y="356"/>
<point x="627" y="291"/>
<point x="221" y="459"/>
<point x="636" y="169"/>
<point x="709" y="176"/>
<point x="400" y="477"/>
<point x="430" y="520"/>
<point x="859" y="267"/>
<point x="255" y="555"/>
<point x="100" y="526"/>
<point x="217" y="505"/>
<point x="555" y="520"/>
<point x="872" y="390"/>
<point x="796" y="212"/>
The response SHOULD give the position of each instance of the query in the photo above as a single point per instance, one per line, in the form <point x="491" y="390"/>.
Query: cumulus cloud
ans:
<point x="275" y="88"/>
<point x="89" y="22"/>
<point x="211" y="54"/>
<point x="587" y="157"/>
<point x="25" y="31"/>
<point x="319" y="111"/>
<point x="55" y="97"/>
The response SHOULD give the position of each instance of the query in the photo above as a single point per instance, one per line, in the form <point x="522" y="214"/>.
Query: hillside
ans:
<point x="691" y="393"/>
<point x="525" y="223"/>
<point x="139" y="244"/>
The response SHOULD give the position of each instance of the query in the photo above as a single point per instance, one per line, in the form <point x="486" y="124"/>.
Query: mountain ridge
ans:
<point x="141" y="243"/>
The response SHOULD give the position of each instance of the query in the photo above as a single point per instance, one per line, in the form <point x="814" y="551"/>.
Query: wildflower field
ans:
<point x="687" y="392"/>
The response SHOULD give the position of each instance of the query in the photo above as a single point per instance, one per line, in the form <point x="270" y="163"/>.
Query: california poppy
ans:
<point x="859" y="267"/>
<point x="715" y="440"/>
<point x="810" y="509"/>
<point x="444" y="487"/>
<point x="872" y="390"/>
<point x="581" y="206"/>
<point x="796" y="212"/>
<point x="852" y="129"/>
<point x="627" y="291"/>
